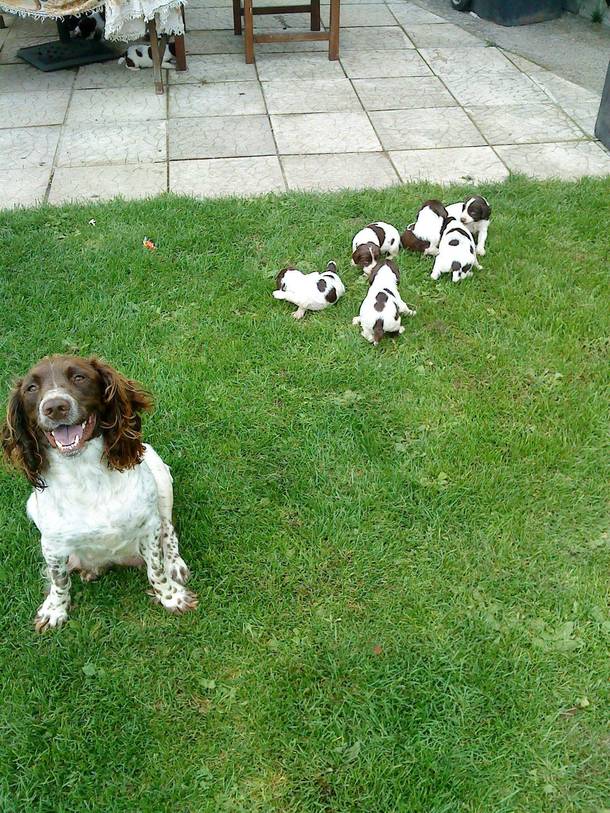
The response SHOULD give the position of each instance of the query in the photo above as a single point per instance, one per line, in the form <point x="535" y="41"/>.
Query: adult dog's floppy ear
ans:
<point x="20" y="441"/>
<point x="122" y="402"/>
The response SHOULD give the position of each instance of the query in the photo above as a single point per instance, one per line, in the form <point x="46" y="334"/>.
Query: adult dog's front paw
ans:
<point x="178" y="570"/>
<point x="180" y="602"/>
<point x="49" y="616"/>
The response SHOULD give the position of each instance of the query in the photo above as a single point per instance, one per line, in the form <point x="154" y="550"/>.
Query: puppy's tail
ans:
<point x="412" y="243"/>
<point x="378" y="331"/>
<point x="331" y="267"/>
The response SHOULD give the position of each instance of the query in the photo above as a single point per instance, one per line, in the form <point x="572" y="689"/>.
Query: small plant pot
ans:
<point x="517" y="12"/>
<point x="602" y="125"/>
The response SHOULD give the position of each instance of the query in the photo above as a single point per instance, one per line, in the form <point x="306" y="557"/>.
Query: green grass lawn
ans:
<point x="401" y="553"/>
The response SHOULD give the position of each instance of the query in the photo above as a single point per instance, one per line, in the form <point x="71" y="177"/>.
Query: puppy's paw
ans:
<point x="431" y="252"/>
<point x="356" y="320"/>
<point x="278" y="294"/>
<point x="401" y="329"/>
<point x="481" y="252"/>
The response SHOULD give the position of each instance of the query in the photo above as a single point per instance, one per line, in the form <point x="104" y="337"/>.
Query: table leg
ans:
<point x="180" y="52"/>
<point x="315" y="15"/>
<point x="237" y="16"/>
<point x="156" y="56"/>
<point x="335" y="14"/>
<point x="249" y="31"/>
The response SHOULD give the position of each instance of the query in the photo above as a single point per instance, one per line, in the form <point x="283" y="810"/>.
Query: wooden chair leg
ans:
<point x="333" y="43"/>
<point x="249" y="31"/>
<point x="180" y="52"/>
<point x="315" y="15"/>
<point x="156" y="56"/>
<point x="2" y="23"/>
<point x="237" y="16"/>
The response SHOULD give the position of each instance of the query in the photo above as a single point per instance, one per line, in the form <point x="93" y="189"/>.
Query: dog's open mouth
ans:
<point x="70" y="439"/>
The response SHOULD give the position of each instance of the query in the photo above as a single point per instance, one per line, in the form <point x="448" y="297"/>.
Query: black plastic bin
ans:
<point x="517" y="12"/>
<point x="602" y="125"/>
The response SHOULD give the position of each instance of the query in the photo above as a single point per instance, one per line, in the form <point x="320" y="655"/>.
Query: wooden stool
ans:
<point x="248" y="11"/>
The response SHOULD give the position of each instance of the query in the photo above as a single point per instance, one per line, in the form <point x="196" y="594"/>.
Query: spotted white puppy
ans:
<point x="140" y="56"/>
<point x="309" y="292"/>
<point x="371" y="242"/>
<point x="475" y="214"/>
<point x="456" y="252"/>
<point x="88" y="26"/>
<point x="383" y="306"/>
<point x="425" y="233"/>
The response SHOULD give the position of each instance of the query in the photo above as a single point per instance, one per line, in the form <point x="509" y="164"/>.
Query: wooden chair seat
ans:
<point x="248" y="11"/>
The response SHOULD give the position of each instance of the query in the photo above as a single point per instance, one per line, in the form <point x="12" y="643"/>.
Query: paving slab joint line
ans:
<point x="560" y="107"/>
<point x="509" y="55"/>
<point x="368" y="115"/>
<point x="60" y="139"/>
<point x="167" y="92"/>
<point x="466" y="113"/>
<point x="277" y="152"/>
<point x="403" y="28"/>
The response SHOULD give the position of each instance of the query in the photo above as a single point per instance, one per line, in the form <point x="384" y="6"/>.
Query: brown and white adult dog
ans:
<point x="101" y="497"/>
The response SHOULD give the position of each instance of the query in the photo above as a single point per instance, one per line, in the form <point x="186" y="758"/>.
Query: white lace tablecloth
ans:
<point x="125" y="19"/>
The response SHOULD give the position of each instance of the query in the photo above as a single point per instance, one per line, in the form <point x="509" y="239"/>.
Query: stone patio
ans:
<point x="412" y="97"/>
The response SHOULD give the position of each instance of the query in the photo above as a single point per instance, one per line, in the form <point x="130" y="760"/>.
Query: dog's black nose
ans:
<point x="56" y="408"/>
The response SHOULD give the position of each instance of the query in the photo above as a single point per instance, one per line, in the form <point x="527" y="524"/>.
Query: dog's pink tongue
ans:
<point x="66" y="435"/>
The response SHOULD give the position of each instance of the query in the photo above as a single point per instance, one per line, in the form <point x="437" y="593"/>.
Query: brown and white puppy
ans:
<point x="475" y="214"/>
<point x="424" y="235"/>
<point x="383" y="306"/>
<point x="101" y="496"/>
<point x="372" y="242"/>
<point x="309" y="292"/>
<point x="456" y="252"/>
